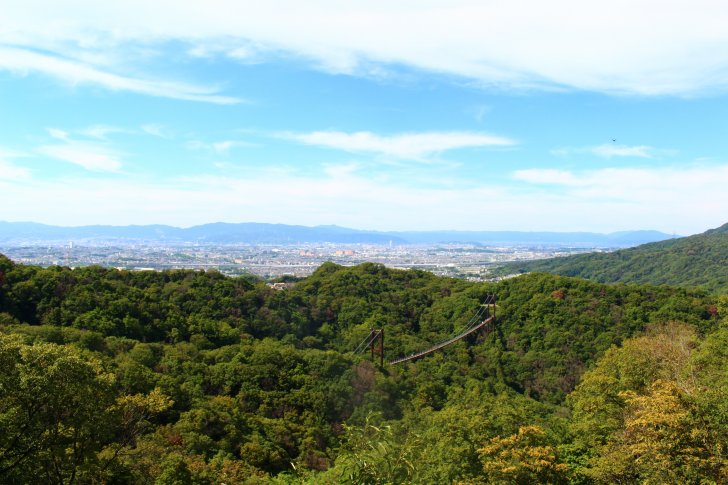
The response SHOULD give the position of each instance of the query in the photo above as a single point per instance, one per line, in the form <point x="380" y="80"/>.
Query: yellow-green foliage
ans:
<point x="646" y="412"/>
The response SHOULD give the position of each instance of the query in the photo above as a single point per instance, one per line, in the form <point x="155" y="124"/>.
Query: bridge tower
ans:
<point x="377" y="336"/>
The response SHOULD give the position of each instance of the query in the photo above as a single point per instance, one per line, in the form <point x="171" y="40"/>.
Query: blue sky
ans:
<point x="405" y="115"/>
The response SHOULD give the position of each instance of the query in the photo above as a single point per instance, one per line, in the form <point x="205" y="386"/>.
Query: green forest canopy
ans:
<point x="194" y="377"/>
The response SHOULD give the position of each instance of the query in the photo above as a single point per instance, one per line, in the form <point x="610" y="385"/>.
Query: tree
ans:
<point x="61" y="419"/>
<point x="371" y="454"/>
<point x="523" y="458"/>
<point x="647" y="413"/>
<point x="662" y="441"/>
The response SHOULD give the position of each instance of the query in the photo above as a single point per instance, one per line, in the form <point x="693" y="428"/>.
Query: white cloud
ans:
<point x="684" y="200"/>
<point x="609" y="151"/>
<point x="219" y="147"/>
<point x="478" y="112"/>
<point x="10" y="171"/>
<point x="95" y="156"/>
<point x="58" y="134"/>
<point x="101" y="132"/>
<point x="91" y="157"/>
<point x="23" y="61"/>
<point x="341" y="170"/>
<point x="632" y="46"/>
<point x="225" y="146"/>
<point x="157" y="130"/>
<point x="412" y="146"/>
<point x="547" y="176"/>
<point x="670" y="191"/>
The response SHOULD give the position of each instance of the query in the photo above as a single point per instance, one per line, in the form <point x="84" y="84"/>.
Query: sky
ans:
<point x="405" y="115"/>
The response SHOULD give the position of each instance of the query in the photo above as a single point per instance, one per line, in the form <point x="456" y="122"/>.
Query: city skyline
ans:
<point x="416" y="116"/>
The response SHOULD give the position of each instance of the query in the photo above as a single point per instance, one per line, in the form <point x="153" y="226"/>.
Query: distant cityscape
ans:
<point x="469" y="261"/>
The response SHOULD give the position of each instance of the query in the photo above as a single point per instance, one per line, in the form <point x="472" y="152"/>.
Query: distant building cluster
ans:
<point x="281" y="285"/>
<point x="459" y="260"/>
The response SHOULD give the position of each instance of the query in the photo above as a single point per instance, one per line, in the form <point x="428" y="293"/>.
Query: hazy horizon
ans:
<point x="363" y="229"/>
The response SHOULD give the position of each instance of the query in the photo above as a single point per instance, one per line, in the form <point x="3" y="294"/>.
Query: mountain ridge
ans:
<point x="266" y="233"/>
<point x="700" y="260"/>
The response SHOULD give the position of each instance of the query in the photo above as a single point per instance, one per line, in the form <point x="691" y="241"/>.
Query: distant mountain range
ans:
<point x="260" y="233"/>
<point x="695" y="261"/>
<point x="577" y="239"/>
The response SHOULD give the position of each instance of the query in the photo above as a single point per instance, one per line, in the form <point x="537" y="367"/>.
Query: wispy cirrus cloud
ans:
<point x="95" y="156"/>
<point x="547" y="177"/>
<point x="668" y="186"/>
<point x="683" y="49"/>
<point x="10" y="171"/>
<point x="666" y="197"/>
<point x="58" y="134"/>
<point x="218" y="147"/>
<point x="226" y="145"/>
<point x="607" y="150"/>
<point x="71" y="71"/>
<point x="408" y="146"/>
<point x="91" y="157"/>
<point x="158" y="130"/>
<point x="101" y="132"/>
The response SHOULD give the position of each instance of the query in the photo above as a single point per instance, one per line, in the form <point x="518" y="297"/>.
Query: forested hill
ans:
<point x="111" y="376"/>
<point x="695" y="261"/>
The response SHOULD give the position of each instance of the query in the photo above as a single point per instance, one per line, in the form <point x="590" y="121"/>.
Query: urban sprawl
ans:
<point x="469" y="261"/>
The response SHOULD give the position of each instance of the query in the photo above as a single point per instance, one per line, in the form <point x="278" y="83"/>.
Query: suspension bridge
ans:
<point x="483" y="319"/>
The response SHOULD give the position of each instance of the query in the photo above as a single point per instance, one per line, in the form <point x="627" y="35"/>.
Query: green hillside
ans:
<point x="169" y="377"/>
<point x="696" y="261"/>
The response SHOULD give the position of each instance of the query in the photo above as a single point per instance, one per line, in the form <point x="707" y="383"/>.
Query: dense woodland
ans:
<point x="697" y="261"/>
<point x="180" y="377"/>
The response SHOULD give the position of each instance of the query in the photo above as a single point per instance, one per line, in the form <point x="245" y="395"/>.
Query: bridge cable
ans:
<point x="473" y="324"/>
